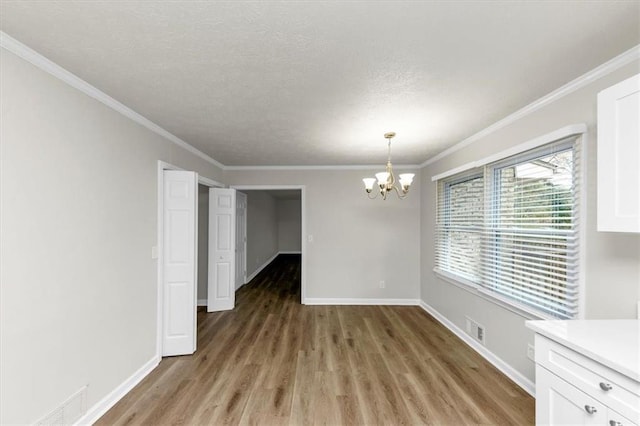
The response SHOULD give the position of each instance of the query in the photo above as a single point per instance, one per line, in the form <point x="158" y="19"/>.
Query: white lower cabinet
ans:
<point x="572" y="389"/>
<point x="559" y="403"/>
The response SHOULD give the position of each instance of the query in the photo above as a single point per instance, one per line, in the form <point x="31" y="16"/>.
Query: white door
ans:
<point x="179" y="262"/>
<point x="241" y="239"/>
<point x="222" y="243"/>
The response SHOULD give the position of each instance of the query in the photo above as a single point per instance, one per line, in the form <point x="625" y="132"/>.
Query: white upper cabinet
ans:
<point x="619" y="157"/>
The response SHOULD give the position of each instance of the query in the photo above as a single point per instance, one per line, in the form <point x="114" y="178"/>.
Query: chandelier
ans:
<point x="386" y="179"/>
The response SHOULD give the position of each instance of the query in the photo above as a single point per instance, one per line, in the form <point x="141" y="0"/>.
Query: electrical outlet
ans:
<point x="382" y="284"/>
<point x="531" y="352"/>
<point x="480" y="335"/>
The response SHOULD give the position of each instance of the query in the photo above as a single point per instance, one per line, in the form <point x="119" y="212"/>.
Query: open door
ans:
<point x="180" y="200"/>
<point x="241" y="239"/>
<point x="222" y="245"/>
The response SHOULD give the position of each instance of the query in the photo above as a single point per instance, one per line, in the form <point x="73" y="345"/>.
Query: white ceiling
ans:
<point x="319" y="83"/>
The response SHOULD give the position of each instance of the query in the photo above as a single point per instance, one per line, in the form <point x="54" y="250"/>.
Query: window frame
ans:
<point x="490" y="172"/>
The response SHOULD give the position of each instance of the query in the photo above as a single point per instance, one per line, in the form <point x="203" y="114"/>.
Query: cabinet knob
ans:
<point x="614" y="423"/>
<point x="605" y="386"/>
<point x="590" y="409"/>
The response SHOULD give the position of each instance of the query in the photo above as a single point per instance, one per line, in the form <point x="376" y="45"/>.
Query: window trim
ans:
<point x="562" y="136"/>
<point x="578" y="130"/>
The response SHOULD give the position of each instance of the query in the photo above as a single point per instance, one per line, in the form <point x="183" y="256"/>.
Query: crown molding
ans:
<point x="14" y="46"/>
<point x="23" y="51"/>
<point x="327" y="167"/>
<point x="608" y="67"/>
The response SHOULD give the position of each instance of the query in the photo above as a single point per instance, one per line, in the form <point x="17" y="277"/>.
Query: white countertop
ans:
<point x="614" y="343"/>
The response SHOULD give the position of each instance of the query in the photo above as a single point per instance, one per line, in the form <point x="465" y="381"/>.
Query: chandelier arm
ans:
<point x="375" y="195"/>
<point x="401" y="194"/>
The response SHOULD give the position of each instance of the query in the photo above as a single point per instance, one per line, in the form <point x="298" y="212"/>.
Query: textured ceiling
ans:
<point x="316" y="83"/>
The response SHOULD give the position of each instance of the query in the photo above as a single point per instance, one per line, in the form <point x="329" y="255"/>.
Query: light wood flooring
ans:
<point x="274" y="361"/>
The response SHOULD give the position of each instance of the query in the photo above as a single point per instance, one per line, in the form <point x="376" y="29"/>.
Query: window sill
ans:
<point x="477" y="290"/>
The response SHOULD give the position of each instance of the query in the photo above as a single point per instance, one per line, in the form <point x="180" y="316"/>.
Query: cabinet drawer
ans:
<point x="611" y="388"/>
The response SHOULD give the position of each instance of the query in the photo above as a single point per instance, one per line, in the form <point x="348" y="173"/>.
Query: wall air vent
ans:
<point x="69" y="411"/>
<point x="475" y="330"/>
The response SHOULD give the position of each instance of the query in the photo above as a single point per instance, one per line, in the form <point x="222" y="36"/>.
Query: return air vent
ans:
<point x="69" y="411"/>
<point x="475" y="330"/>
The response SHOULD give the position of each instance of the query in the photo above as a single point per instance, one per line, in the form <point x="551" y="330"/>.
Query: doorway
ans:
<point x="257" y="258"/>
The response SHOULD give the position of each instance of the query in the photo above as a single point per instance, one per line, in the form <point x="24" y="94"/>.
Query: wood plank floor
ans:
<point x="274" y="361"/>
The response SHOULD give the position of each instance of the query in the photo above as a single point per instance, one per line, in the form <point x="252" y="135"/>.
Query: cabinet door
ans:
<point x="616" y="419"/>
<point x="559" y="403"/>
<point x="619" y="157"/>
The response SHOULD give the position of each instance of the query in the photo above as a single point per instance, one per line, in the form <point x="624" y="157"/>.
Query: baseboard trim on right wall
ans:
<point x="496" y="361"/>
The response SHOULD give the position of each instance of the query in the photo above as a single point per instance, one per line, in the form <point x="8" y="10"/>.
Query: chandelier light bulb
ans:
<point x="368" y="183"/>
<point x="405" y="180"/>
<point x="383" y="178"/>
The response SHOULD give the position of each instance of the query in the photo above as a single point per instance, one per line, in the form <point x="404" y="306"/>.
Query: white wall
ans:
<point x="78" y="206"/>
<point x="612" y="260"/>
<point x="289" y="225"/>
<point x="203" y="241"/>
<point x="357" y="242"/>
<point x="262" y="229"/>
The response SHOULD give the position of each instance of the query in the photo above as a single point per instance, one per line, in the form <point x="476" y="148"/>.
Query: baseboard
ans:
<point x="202" y="302"/>
<point x="264" y="265"/>
<point x="116" y="395"/>
<point x="496" y="361"/>
<point x="358" y="301"/>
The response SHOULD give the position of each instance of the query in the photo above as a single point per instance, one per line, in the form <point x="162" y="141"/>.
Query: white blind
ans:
<point x="459" y="226"/>
<point x="513" y="229"/>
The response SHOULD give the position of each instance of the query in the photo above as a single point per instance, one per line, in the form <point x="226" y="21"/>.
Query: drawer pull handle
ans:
<point x="590" y="409"/>
<point x="614" y="423"/>
<point x="605" y="386"/>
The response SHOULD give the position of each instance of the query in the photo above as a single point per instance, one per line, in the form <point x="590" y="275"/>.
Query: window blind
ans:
<point x="512" y="228"/>
<point x="459" y="226"/>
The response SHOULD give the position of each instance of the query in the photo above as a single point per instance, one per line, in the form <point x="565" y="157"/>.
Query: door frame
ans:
<point x="303" y="228"/>
<point x="244" y="275"/>
<point x="157" y="251"/>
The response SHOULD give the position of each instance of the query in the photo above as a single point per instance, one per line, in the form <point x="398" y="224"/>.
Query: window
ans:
<point x="459" y="236"/>
<point x="515" y="235"/>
